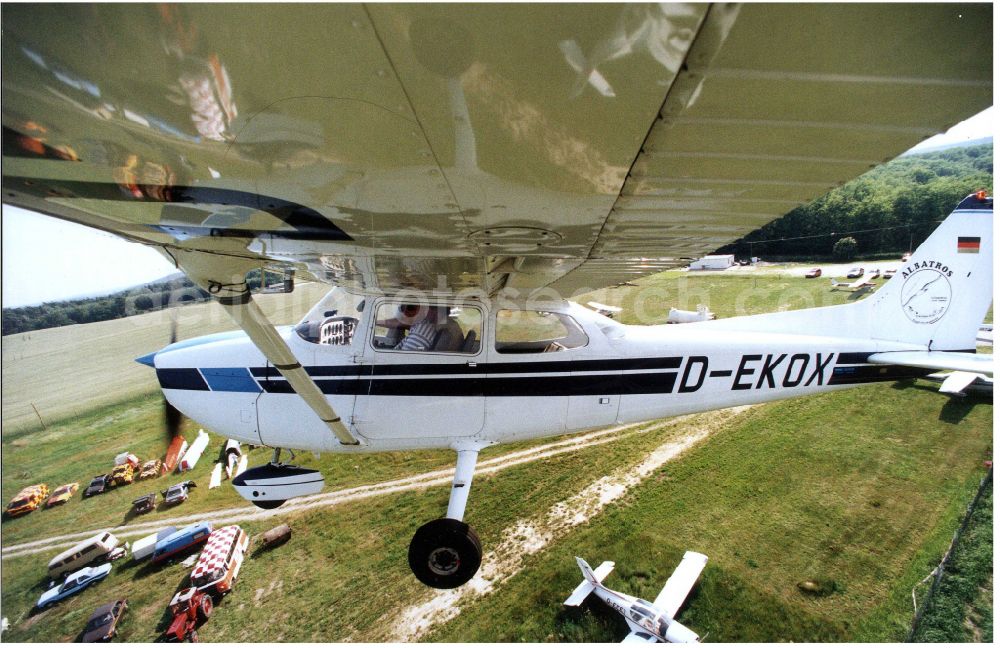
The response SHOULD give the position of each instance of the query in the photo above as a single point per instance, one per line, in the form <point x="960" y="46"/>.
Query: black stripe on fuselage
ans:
<point x="480" y="369"/>
<point x="594" y="385"/>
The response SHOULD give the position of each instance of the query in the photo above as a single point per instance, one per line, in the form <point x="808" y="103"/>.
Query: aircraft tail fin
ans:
<point x="936" y="300"/>
<point x="591" y="579"/>
<point x="940" y="295"/>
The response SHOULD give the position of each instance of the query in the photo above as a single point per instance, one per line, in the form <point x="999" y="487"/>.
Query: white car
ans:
<point x="74" y="583"/>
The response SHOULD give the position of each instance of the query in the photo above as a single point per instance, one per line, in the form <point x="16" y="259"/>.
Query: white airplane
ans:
<point x="863" y="283"/>
<point x="434" y="164"/>
<point x="649" y="622"/>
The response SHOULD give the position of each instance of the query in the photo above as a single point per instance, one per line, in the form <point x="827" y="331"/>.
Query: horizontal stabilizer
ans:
<point x="581" y="592"/>
<point x="957" y="381"/>
<point x="590" y="580"/>
<point x="980" y="363"/>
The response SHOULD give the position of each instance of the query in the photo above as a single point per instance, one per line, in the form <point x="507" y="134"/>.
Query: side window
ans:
<point x="535" y="331"/>
<point x="427" y="327"/>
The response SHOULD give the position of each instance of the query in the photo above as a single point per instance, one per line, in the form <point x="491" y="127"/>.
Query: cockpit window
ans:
<point x="432" y="328"/>
<point x="333" y="320"/>
<point x="537" y="331"/>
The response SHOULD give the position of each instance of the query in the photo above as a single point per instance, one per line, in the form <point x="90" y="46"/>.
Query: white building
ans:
<point x="713" y="262"/>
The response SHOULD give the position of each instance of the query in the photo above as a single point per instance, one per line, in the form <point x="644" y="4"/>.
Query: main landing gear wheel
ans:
<point x="267" y="505"/>
<point x="445" y="553"/>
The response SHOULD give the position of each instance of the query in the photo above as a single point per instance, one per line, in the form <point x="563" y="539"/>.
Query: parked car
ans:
<point x="103" y="623"/>
<point x="906" y="256"/>
<point x="177" y="493"/>
<point x="74" y="584"/>
<point x="96" y="548"/>
<point x="876" y="273"/>
<point x="62" y="494"/>
<point x="888" y="274"/>
<point x="190" y="608"/>
<point x="27" y="500"/>
<point x="122" y="474"/>
<point x="815" y="272"/>
<point x="144" y="504"/>
<point x="855" y="273"/>
<point x="98" y="485"/>
<point x="150" y="469"/>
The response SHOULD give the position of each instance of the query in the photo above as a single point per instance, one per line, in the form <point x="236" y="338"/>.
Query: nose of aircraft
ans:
<point x="147" y="359"/>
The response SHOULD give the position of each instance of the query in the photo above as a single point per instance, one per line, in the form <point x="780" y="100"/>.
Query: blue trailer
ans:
<point x="180" y="541"/>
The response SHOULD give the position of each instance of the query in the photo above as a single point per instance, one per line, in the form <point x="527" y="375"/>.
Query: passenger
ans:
<point x="424" y="332"/>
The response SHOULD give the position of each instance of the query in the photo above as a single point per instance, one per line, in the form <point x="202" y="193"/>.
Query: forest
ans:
<point x="891" y="209"/>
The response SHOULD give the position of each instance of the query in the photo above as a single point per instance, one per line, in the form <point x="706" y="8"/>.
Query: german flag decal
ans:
<point x="968" y="244"/>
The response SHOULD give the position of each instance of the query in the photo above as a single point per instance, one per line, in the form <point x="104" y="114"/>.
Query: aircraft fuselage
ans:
<point x="397" y="400"/>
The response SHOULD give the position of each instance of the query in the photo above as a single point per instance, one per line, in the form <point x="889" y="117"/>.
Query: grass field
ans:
<point x="72" y="369"/>
<point x="860" y="490"/>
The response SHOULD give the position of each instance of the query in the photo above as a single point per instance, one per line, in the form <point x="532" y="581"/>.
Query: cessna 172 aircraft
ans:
<point x="456" y="172"/>
<point x="649" y="622"/>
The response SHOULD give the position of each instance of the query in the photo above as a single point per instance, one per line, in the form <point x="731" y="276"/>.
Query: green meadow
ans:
<point x="857" y="490"/>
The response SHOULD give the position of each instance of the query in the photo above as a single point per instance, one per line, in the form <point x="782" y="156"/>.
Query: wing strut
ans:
<point x="235" y="298"/>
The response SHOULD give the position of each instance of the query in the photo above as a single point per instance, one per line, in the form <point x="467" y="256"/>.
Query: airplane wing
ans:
<point x="639" y="637"/>
<point x="672" y="596"/>
<point x="448" y="147"/>
<point x="973" y="363"/>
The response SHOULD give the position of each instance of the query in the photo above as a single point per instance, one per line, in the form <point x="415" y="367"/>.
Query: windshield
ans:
<point x="100" y="621"/>
<point x="333" y="320"/>
<point x="18" y="503"/>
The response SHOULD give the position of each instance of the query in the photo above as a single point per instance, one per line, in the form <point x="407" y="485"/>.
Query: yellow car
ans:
<point x="27" y="500"/>
<point x="122" y="474"/>
<point x="62" y="494"/>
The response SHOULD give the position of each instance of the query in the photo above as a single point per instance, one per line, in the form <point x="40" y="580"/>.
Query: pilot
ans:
<point x="429" y="332"/>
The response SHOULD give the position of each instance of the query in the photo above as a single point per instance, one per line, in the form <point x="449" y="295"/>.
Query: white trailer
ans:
<point x="713" y="262"/>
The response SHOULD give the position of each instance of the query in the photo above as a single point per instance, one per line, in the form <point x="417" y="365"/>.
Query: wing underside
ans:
<point x="468" y="146"/>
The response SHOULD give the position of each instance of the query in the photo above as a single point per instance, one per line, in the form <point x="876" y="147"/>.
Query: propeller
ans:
<point x="172" y="417"/>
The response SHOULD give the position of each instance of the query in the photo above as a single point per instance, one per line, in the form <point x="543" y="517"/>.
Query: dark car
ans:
<point x="103" y="623"/>
<point x="144" y="504"/>
<point x="97" y="486"/>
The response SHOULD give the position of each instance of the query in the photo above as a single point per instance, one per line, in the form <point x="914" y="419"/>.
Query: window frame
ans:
<point x="397" y="301"/>
<point x="559" y="313"/>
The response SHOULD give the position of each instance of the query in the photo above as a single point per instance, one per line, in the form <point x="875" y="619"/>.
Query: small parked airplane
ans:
<point x="862" y="284"/>
<point x="650" y="622"/>
<point x="457" y="171"/>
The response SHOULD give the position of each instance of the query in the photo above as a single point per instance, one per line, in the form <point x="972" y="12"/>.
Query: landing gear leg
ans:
<point x="446" y="552"/>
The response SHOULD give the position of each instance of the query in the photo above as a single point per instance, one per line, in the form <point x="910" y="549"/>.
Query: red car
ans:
<point x="812" y="274"/>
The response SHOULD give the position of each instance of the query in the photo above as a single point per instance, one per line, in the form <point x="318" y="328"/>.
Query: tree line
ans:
<point x="132" y="301"/>
<point x="890" y="209"/>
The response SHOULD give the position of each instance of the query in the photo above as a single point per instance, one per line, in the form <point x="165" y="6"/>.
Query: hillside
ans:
<point x="890" y="209"/>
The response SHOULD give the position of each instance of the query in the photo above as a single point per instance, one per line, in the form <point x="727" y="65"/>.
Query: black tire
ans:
<point x="268" y="504"/>
<point x="445" y="553"/>
<point x="205" y="609"/>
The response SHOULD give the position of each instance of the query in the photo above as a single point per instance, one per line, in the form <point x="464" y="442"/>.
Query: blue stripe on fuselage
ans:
<point x="237" y="379"/>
